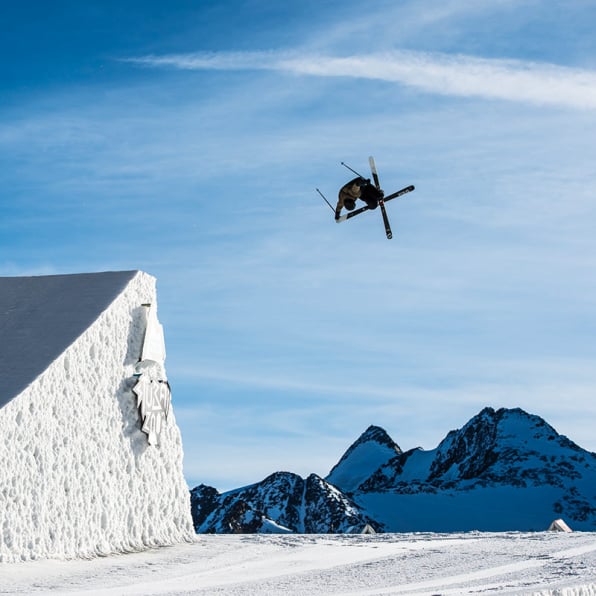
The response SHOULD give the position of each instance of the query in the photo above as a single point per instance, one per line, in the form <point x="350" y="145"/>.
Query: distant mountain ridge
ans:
<point x="282" y="503"/>
<point x="503" y="470"/>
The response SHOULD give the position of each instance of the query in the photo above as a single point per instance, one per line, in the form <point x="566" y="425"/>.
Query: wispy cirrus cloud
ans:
<point x="445" y="74"/>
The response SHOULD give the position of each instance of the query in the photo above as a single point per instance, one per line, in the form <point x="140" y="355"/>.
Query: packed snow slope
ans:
<point x="503" y="470"/>
<point x="41" y="316"/>
<point x="78" y="476"/>
<point x="544" y="563"/>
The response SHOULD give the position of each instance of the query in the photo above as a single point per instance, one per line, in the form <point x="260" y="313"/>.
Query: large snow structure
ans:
<point x="78" y="474"/>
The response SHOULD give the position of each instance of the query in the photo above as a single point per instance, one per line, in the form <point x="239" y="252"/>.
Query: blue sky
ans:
<point x="186" y="139"/>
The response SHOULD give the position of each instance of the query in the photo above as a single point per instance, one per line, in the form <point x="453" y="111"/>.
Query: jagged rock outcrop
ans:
<point x="213" y="513"/>
<point x="281" y="502"/>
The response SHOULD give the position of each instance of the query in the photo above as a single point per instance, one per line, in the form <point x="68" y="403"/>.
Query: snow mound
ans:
<point x="78" y="477"/>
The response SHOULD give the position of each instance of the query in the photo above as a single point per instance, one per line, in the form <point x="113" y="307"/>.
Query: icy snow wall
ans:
<point x="78" y="477"/>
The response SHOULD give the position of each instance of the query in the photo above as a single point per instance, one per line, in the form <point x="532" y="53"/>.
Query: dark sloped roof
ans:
<point x="41" y="316"/>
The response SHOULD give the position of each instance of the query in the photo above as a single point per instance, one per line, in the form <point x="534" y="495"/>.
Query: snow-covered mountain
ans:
<point x="281" y="503"/>
<point x="504" y="447"/>
<point x="503" y="470"/>
<point x="373" y="449"/>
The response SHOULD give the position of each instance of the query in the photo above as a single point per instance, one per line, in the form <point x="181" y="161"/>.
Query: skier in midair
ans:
<point x="358" y="188"/>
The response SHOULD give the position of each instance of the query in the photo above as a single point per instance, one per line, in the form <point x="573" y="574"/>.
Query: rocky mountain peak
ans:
<point x="493" y="440"/>
<point x="371" y="450"/>
<point x="378" y="435"/>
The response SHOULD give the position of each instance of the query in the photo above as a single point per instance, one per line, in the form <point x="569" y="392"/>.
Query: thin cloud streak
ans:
<point x="570" y="380"/>
<point x="444" y="74"/>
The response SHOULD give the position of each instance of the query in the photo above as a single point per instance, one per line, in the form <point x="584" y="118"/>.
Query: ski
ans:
<point x="399" y="193"/>
<point x="371" y="197"/>
<point x="373" y="169"/>
<point x="360" y="210"/>
<point x="388" y="231"/>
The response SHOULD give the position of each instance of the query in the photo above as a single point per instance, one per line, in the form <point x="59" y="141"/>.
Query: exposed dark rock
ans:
<point x="310" y="506"/>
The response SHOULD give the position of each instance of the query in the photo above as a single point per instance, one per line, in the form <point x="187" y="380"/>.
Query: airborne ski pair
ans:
<point x="382" y="200"/>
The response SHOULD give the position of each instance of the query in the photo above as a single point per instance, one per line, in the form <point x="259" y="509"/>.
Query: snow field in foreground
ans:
<point x="472" y="563"/>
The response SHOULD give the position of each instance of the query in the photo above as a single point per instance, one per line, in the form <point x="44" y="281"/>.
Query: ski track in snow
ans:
<point x="507" y="563"/>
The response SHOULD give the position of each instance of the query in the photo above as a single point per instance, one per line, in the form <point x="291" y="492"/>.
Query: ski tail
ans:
<point x="375" y="175"/>
<point x="399" y="193"/>
<point x="388" y="231"/>
<point x="351" y="214"/>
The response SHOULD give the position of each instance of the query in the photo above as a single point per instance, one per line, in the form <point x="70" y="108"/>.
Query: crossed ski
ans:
<point x="360" y="210"/>
<point x="382" y="200"/>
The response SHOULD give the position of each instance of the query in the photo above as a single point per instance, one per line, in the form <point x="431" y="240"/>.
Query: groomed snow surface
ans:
<point x="544" y="563"/>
